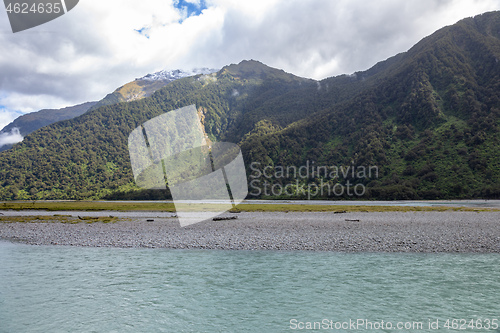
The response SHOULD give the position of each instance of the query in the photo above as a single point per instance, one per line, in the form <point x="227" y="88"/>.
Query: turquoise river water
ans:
<point x="74" y="289"/>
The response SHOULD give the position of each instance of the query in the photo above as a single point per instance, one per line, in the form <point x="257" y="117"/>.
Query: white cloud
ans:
<point x="96" y="48"/>
<point x="11" y="137"/>
<point x="319" y="38"/>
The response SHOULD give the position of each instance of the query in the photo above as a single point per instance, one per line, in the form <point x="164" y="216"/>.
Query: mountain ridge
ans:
<point x="30" y="122"/>
<point x="428" y="119"/>
<point x="137" y="89"/>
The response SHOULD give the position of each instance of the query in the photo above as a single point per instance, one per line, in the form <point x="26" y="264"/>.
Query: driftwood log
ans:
<point x="223" y="218"/>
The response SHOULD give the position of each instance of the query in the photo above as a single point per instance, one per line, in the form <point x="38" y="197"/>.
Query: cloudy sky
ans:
<point x="102" y="44"/>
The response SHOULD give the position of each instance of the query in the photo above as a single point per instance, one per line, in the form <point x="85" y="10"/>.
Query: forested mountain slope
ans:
<point x="137" y="89"/>
<point x="427" y="119"/>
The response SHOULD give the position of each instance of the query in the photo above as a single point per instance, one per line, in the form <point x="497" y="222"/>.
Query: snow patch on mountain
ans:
<point x="172" y="75"/>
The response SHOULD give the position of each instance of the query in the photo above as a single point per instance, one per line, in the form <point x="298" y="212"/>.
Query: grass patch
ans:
<point x="350" y="208"/>
<point x="102" y="219"/>
<point x="169" y="207"/>
<point x="88" y="206"/>
<point x="56" y="219"/>
<point x="35" y="219"/>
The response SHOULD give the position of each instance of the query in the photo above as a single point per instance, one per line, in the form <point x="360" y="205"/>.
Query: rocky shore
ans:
<point x="459" y="232"/>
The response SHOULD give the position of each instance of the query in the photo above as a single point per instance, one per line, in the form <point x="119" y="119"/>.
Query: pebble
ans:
<point x="462" y="232"/>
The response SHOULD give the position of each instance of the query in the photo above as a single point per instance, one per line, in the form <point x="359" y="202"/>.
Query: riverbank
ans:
<point x="256" y="206"/>
<point x="450" y="232"/>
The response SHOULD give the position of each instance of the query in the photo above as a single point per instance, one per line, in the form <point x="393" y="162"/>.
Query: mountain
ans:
<point x="423" y="124"/>
<point x="137" y="89"/>
<point x="30" y="122"/>
<point x="147" y="85"/>
<point x="87" y="157"/>
<point x="428" y="118"/>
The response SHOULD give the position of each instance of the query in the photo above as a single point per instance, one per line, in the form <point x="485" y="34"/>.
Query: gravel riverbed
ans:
<point x="460" y="232"/>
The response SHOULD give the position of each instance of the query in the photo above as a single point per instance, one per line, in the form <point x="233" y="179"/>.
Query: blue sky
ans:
<point x="191" y="8"/>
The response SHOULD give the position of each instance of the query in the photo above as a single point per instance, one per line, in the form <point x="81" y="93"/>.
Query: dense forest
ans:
<point x="423" y="124"/>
